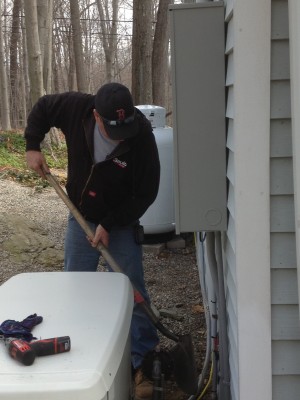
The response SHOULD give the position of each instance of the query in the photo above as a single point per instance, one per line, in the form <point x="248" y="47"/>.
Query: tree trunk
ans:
<point x="109" y="36"/>
<point x="142" y="51"/>
<point x="45" y="19"/>
<point x="34" y="52"/>
<point x="60" y="58"/>
<point x="35" y="60"/>
<point x="5" y="112"/>
<point x="24" y="74"/>
<point x="72" y="82"/>
<point x="77" y="44"/>
<point x="160" y="77"/>
<point x="14" y="72"/>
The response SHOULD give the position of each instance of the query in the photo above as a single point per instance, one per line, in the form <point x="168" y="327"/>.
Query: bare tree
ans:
<point x="108" y="26"/>
<point x="14" y="70"/>
<point x="24" y="74"/>
<point x="5" y="111"/>
<point x="72" y="80"/>
<point x="45" y="19"/>
<point x="160" y="77"/>
<point x="34" y="51"/>
<point x="98" y="45"/>
<point x="77" y="43"/>
<point x="62" y="50"/>
<point x="142" y="51"/>
<point x="35" y="57"/>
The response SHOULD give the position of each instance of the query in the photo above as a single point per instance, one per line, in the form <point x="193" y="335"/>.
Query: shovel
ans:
<point x="182" y="353"/>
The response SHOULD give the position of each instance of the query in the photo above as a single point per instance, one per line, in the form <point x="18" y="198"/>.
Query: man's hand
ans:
<point x="37" y="162"/>
<point x="101" y="235"/>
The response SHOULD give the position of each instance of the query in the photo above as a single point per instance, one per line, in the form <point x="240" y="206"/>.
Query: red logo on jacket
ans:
<point x="122" y="164"/>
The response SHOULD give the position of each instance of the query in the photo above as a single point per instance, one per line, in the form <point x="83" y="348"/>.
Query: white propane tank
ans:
<point x="160" y="216"/>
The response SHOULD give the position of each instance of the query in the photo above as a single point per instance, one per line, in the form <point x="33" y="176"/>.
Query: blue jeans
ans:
<point x="81" y="256"/>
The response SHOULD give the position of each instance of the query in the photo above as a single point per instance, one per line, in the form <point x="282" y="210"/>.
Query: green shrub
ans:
<point x="13" y="160"/>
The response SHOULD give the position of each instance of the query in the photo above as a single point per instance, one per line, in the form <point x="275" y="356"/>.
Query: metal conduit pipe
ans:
<point x="212" y="291"/>
<point x="213" y="268"/>
<point x="222" y="315"/>
<point x="212" y="262"/>
<point x="202" y="270"/>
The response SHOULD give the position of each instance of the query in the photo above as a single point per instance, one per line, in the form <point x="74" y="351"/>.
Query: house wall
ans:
<point x="229" y="243"/>
<point x="285" y="312"/>
<point x="294" y="37"/>
<point x="283" y="372"/>
<point x="247" y="240"/>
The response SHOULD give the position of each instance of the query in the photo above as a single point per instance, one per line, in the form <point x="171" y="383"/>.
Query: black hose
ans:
<point x="157" y="376"/>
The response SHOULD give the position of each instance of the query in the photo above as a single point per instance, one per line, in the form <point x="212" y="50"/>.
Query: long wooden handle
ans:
<point x="82" y="222"/>
<point x="108" y="257"/>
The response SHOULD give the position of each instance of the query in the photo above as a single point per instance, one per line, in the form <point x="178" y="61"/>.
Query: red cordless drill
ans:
<point x="21" y="351"/>
<point x="26" y="352"/>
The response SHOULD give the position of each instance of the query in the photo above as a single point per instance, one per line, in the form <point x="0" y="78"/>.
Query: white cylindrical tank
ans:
<point x="160" y="216"/>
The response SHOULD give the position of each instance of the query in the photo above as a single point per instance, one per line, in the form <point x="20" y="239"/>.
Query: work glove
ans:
<point x="20" y="330"/>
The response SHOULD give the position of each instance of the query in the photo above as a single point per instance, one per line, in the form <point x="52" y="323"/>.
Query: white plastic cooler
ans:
<point x="95" y="310"/>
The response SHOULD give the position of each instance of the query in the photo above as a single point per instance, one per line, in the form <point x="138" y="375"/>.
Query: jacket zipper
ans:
<point x="111" y="156"/>
<point x="86" y="183"/>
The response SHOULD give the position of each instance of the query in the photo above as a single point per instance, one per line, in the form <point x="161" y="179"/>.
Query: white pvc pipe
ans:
<point x="294" y="33"/>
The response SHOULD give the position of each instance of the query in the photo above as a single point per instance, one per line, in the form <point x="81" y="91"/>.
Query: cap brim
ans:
<point x="121" y="132"/>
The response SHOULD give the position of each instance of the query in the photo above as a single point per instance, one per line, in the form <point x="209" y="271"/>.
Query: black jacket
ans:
<point x="115" y="192"/>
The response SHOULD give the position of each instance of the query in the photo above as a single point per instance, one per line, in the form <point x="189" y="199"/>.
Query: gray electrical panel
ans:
<point x="198" y="85"/>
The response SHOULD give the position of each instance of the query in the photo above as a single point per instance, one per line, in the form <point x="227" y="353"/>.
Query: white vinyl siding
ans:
<point x="284" y="287"/>
<point x="229" y="261"/>
<point x="260" y="257"/>
<point x="284" y="298"/>
<point x="283" y="250"/>
<point x="286" y="362"/>
<point x="282" y="213"/>
<point x="285" y="322"/>
<point x="242" y="268"/>
<point x="281" y="143"/>
<point x="294" y="44"/>
<point x="282" y="386"/>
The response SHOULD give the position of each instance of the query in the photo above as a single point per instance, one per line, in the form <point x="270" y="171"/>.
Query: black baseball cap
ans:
<point x="114" y="104"/>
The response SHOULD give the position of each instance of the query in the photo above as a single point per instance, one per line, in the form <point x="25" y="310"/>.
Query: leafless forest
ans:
<point x="52" y="46"/>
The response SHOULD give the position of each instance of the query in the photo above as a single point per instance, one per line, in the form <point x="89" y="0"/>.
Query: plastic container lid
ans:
<point x="94" y="309"/>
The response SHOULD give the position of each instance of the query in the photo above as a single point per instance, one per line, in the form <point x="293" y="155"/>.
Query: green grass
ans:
<point x="13" y="160"/>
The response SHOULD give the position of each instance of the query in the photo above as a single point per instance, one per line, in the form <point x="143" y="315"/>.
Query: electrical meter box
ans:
<point x="198" y="86"/>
